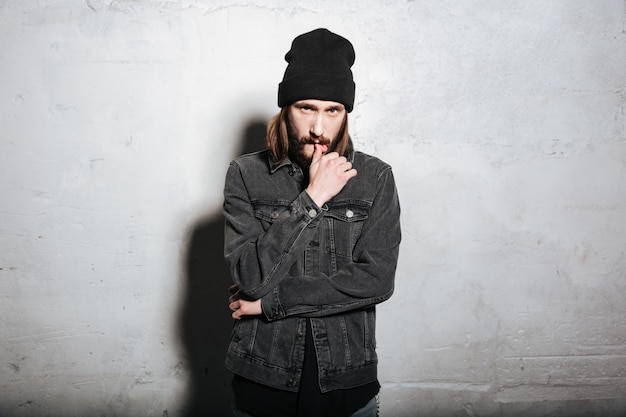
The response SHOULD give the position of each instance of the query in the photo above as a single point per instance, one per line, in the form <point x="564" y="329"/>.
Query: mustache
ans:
<point x="320" y="140"/>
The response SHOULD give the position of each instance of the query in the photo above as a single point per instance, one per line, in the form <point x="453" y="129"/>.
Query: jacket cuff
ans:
<point x="271" y="306"/>
<point x="311" y="210"/>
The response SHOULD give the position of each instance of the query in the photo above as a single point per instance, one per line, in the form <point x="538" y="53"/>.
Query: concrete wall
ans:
<point x="505" y="123"/>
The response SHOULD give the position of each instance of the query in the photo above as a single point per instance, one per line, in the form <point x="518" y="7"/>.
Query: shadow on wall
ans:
<point x="205" y="319"/>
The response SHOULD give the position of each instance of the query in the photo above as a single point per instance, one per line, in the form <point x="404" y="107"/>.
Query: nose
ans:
<point x="317" y="126"/>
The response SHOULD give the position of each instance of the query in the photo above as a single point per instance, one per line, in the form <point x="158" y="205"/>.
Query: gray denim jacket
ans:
<point x="331" y="264"/>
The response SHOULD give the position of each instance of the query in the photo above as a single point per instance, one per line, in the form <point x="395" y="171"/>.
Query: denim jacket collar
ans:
<point x="271" y="160"/>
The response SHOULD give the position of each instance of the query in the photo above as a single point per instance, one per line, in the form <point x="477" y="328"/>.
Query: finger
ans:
<point x="317" y="153"/>
<point x="234" y="296"/>
<point x="333" y="156"/>
<point x="234" y="306"/>
<point x="345" y="165"/>
<point x="340" y="166"/>
<point x="233" y="289"/>
<point x="240" y="310"/>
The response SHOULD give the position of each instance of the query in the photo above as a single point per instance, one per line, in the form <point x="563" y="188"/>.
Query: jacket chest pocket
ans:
<point x="344" y="224"/>
<point x="268" y="213"/>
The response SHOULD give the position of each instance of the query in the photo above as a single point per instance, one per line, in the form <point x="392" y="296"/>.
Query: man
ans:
<point x="311" y="238"/>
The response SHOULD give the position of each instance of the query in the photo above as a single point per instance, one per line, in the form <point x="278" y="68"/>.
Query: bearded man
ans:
<point x="312" y="235"/>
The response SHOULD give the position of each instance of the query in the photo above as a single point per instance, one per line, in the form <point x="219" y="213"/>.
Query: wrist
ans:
<point x="317" y="198"/>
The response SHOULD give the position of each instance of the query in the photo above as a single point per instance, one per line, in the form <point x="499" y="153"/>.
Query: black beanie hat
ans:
<point x="318" y="68"/>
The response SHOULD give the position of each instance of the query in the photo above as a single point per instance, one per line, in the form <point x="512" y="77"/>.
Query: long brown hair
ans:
<point x="278" y="136"/>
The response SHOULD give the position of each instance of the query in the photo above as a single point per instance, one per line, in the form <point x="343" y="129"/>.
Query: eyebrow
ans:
<point x="337" y="106"/>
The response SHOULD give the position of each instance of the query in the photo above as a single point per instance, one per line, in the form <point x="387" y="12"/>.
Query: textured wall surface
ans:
<point x="505" y="123"/>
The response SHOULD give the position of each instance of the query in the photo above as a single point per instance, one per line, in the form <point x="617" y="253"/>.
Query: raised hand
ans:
<point x="328" y="175"/>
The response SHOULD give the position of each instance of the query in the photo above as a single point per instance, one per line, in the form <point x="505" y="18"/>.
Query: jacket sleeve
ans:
<point x="259" y="259"/>
<point x="366" y="280"/>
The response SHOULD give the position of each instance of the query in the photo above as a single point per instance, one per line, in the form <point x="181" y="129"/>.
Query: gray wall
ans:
<point x="505" y="123"/>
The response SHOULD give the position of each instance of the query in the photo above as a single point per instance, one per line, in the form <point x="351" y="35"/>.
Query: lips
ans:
<point x="322" y="145"/>
<point x="317" y="141"/>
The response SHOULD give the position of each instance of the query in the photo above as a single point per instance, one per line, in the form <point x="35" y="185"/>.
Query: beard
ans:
<point x="297" y="144"/>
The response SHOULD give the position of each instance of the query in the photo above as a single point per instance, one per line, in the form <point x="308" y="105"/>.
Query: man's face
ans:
<point x="311" y="122"/>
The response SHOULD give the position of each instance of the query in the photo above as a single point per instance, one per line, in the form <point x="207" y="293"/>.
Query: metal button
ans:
<point x="274" y="214"/>
<point x="312" y="213"/>
<point x="349" y="213"/>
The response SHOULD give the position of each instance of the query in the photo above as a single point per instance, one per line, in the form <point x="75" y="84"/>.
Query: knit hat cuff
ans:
<point x="317" y="86"/>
